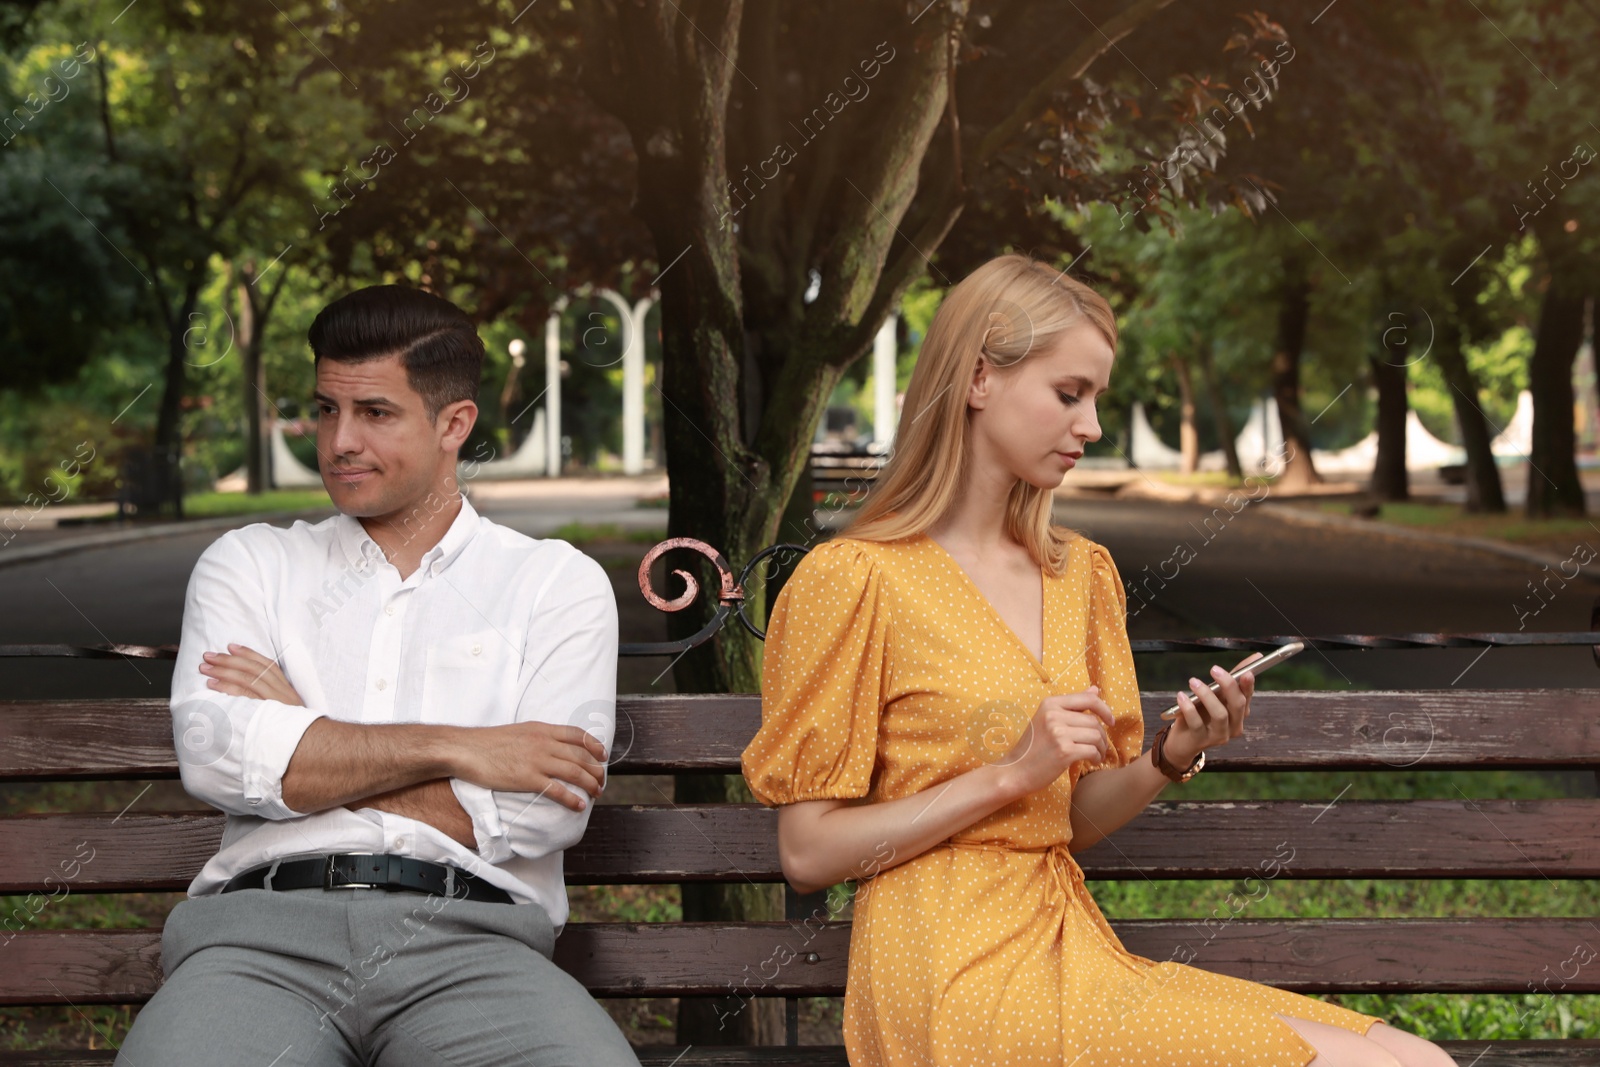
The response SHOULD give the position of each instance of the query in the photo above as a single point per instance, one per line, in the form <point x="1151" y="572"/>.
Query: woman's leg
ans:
<point x="1408" y="1048"/>
<point x="1338" y="1047"/>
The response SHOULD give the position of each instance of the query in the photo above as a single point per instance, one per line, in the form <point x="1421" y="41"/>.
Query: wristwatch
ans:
<point x="1166" y="768"/>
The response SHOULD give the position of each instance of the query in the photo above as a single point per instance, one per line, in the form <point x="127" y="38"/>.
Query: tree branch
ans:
<point x="1069" y="70"/>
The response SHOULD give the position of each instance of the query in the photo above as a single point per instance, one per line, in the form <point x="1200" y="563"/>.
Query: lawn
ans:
<point x="1562" y="536"/>
<point x="211" y="505"/>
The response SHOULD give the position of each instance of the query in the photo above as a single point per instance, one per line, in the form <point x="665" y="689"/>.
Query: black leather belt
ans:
<point x="371" y="870"/>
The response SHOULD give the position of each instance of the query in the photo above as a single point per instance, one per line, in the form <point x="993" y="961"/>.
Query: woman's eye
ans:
<point x="1065" y="398"/>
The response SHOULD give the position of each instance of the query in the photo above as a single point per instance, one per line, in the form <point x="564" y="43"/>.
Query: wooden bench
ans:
<point x="665" y="843"/>
<point x="846" y="471"/>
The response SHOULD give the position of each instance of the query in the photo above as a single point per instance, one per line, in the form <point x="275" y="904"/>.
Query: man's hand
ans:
<point x="244" y="672"/>
<point x="533" y="757"/>
<point x="432" y="802"/>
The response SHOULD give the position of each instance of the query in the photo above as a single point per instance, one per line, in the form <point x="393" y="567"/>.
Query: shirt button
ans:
<point x="389" y="610"/>
<point x="400" y="842"/>
<point x="382" y="684"/>
<point x="476" y="649"/>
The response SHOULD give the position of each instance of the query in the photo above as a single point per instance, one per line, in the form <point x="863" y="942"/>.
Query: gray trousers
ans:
<point x="345" y="977"/>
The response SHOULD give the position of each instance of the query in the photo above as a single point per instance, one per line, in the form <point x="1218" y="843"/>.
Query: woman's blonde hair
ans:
<point x="1007" y="308"/>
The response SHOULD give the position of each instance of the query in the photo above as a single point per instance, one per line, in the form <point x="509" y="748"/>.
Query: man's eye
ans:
<point x="376" y="411"/>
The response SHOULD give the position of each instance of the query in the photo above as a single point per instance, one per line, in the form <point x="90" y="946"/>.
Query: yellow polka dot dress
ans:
<point x="887" y="672"/>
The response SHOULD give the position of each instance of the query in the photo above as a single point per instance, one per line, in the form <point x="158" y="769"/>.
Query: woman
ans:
<point x="941" y="684"/>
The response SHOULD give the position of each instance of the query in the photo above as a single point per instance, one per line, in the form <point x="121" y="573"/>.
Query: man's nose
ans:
<point x="342" y="438"/>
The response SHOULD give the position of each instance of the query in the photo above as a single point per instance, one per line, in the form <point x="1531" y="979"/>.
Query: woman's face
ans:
<point x="1027" y="419"/>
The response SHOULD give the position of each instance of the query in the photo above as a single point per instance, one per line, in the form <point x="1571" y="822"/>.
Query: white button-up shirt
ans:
<point x="493" y="627"/>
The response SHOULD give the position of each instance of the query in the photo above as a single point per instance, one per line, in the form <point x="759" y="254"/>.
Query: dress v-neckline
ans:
<point x="1039" y="662"/>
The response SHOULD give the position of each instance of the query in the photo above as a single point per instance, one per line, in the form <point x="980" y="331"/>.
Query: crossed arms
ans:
<point x="247" y="744"/>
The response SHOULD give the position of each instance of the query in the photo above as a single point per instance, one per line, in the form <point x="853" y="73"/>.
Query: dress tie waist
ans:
<point x="1063" y="866"/>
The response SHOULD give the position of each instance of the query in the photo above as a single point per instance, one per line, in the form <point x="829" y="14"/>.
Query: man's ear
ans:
<point x="456" y="420"/>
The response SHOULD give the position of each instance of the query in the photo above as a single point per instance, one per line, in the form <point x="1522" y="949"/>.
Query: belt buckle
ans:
<point x="328" y="882"/>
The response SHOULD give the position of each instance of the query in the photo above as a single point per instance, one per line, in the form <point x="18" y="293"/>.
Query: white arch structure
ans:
<point x="1261" y="440"/>
<point x="544" y="443"/>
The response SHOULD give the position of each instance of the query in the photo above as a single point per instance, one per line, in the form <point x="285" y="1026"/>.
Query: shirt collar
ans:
<point x="358" y="545"/>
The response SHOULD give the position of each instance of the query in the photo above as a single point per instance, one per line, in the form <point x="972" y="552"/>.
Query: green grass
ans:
<point x="1453" y="519"/>
<point x="211" y="505"/>
<point x="581" y="533"/>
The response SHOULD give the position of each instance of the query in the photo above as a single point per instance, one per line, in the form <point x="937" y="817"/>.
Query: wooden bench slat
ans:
<point x="1571" y="1053"/>
<point x="1435" y="729"/>
<point x="798" y="959"/>
<point x="640" y="844"/>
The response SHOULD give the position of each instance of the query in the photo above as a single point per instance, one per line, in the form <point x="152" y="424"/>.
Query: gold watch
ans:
<point x="1166" y="768"/>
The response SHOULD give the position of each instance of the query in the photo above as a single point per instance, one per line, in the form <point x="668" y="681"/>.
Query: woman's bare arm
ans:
<point x="822" y="842"/>
<point x="1103" y="801"/>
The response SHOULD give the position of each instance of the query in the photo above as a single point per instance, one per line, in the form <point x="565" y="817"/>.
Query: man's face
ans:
<point x="378" y="451"/>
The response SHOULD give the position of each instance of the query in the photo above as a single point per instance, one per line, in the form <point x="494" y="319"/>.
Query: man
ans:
<point x="405" y="711"/>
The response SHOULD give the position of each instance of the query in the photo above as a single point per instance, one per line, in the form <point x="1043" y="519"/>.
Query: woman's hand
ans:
<point x="1065" y="730"/>
<point x="1214" y="719"/>
<point x="244" y="672"/>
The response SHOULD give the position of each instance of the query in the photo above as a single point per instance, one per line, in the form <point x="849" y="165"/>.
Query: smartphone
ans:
<point x="1271" y="659"/>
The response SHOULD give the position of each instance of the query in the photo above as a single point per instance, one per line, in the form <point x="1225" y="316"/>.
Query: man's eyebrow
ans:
<point x="358" y="403"/>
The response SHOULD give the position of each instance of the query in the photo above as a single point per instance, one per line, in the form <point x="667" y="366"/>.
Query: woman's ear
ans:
<point x="978" y="391"/>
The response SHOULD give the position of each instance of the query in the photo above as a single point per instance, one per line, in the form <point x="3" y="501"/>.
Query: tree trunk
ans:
<point x="1219" y="410"/>
<point x="1554" y="487"/>
<point x="1391" y="479"/>
<point x="249" y="339"/>
<point x="1484" y="493"/>
<point x="1294" y="313"/>
<point x="1188" y="436"/>
<point x="747" y="364"/>
<point x="169" y="422"/>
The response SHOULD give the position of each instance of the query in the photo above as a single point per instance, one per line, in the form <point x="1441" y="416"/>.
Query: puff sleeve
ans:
<point x="1110" y="660"/>
<point x="823" y="680"/>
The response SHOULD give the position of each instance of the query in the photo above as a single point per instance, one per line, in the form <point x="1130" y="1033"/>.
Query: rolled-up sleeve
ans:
<point x="232" y="750"/>
<point x="568" y="677"/>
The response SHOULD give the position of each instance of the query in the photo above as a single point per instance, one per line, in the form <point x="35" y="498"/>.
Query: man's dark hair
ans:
<point x="435" y="340"/>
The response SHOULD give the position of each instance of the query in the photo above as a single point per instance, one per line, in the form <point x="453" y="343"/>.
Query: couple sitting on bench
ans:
<point x="949" y="701"/>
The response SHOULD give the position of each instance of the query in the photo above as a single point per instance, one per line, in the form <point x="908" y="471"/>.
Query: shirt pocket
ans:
<point x="469" y="679"/>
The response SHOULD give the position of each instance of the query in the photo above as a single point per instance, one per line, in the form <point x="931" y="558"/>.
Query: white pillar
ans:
<point x="552" y="390"/>
<point x="633" y="390"/>
<point x="883" y="383"/>
<point x="632" y="376"/>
